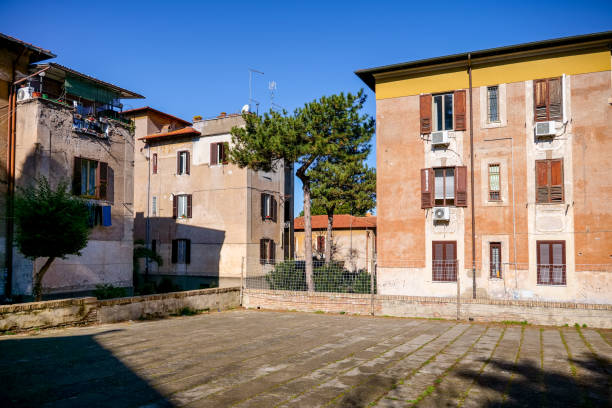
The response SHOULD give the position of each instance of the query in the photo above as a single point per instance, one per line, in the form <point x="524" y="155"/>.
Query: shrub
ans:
<point x="109" y="292"/>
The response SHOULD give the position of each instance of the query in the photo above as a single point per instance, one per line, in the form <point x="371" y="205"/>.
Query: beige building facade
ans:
<point x="353" y="240"/>
<point x="208" y="219"/>
<point x="540" y="121"/>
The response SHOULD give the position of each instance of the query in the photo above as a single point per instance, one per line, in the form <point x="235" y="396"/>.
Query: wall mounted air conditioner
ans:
<point x="440" y="138"/>
<point x="545" y="129"/>
<point x="23" y="94"/>
<point x="441" y="214"/>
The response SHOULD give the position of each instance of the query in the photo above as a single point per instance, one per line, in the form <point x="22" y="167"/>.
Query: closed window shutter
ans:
<point x="459" y="108"/>
<point x="213" y="154"/>
<point x="189" y="206"/>
<point x="272" y="247"/>
<point x="187" y="251"/>
<point x="76" y="177"/>
<point x="174" y="251"/>
<point x="461" y="186"/>
<point x="154" y="163"/>
<point x="556" y="181"/>
<point x="262" y="251"/>
<point x="187" y="164"/>
<point x="175" y="206"/>
<point x="178" y="163"/>
<point x="542" y="185"/>
<point x="555" y="100"/>
<point x="426" y="188"/>
<point x="263" y="206"/>
<point x="425" y="109"/>
<point x="540" y="100"/>
<point x="103" y="180"/>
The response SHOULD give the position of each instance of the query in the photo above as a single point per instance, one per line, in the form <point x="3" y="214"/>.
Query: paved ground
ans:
<point x="265" y="359"/>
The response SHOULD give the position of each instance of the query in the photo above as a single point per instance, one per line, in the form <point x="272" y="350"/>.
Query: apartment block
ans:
<point x="492" y="172"/>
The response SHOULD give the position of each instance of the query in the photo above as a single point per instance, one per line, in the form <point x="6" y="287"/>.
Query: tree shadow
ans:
<point x="532" y="386"/>
<point x="74" y="371"/>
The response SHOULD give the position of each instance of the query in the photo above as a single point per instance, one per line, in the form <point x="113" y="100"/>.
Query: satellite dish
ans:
<point x="245" y="109"/>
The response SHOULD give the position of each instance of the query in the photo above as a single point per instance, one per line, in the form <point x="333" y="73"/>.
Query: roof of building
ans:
<point x="144" y="109"/>
<point x="368" y="75"/>
<point x="186" y="131"/>
<point x="38" y="54"/>
<point x="57" y="68"/>
<point x="340" y="221"/>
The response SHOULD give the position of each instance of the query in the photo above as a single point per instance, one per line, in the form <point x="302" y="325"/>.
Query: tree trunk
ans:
<point x="307" y="234"/>
<point x="328" y="238"/>
<point x="39" y="277"/>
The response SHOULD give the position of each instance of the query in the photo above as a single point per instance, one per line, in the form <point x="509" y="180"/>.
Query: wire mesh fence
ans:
<point x="331" y="277"/>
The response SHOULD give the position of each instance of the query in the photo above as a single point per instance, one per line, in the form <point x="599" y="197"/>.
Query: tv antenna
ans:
<point x="251" y="99"/>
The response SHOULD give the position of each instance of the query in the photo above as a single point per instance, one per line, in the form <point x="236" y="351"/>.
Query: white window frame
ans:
<point x="268" y="206"/>
<point x="181" y="206"/>
<point x="182" y="162"/>
<point x="434" y="110"/>
<point x="445" y="194"/>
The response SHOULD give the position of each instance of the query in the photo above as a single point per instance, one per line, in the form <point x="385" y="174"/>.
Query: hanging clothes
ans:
<point x="106" y="216"/>
<point x="91" y="215"/>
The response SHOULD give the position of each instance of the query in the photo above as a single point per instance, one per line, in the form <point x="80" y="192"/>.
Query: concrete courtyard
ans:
<point x="265" y="359"/>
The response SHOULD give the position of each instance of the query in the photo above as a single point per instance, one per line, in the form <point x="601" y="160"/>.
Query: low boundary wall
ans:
<point x="490" y="310"/>
<point x="89" y="310"/>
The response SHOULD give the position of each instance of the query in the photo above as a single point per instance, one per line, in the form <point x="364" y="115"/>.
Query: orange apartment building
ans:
<point x="537" y="223"/>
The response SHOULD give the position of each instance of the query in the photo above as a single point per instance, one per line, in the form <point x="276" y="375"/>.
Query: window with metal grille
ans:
<point x="551" y="262"/>
<point x="495" y="259"/>
<point x="494" y="182"/>
<point x="493" y="104"/>
<point x="444" y="261"/>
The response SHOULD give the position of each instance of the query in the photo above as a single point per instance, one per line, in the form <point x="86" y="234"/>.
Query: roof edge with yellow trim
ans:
<point x="368" y="75"/>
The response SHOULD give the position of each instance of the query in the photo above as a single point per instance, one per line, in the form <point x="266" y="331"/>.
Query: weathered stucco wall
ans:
<point x="47" y="146"/>
<point x="52" y="313"/>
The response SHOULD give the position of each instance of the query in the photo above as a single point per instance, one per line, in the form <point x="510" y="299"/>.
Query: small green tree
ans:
<point x="320" y="129"/>
<point x="348" y="186"/>
<point x="51" y="223"/>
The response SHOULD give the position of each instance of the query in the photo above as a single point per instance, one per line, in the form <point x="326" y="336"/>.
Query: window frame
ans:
<point x="434" y="119"/>
<point x="444" y="276"/>
<point x="492" y="270"/>
<point x="489" y="88"/>
<point x="267" y="247"/>
<point x="541" y="266"/>
<point x="183" y="162"/>
<point x="320" y="244"/>
<point x="491" y="191"/>
<point x="547" y="81"/>
<point x="103" y="179"/>
<point x="154" y="205"/>
<point x="176" y="251"/>
<point x="154" y="164"/>
<point x="549" y="184"/>
<point x="445" y="202"/>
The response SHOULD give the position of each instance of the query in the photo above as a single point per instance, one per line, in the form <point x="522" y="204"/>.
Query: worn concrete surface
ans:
<point x="264" y="359"/>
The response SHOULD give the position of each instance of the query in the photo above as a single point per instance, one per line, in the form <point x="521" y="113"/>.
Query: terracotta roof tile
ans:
<point x="174" y="133"/>
<point x="340" y="221"/>
<point x="132" y="112"/>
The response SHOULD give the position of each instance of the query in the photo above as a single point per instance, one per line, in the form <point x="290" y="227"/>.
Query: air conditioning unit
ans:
<point x="441" y="214"/>
<point x="545" y="129"/>
<point x="440" y="138"/>
<point x="23" y="94"/>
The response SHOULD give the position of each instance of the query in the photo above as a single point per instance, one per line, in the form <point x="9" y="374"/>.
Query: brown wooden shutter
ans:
<point x="542" y="185"/>
<point x="272" y="247"/>
<point x="187" y="164"/>
<point x="103" y="180"/>
<point x="461" y="186"/>
<point x="225" y="152"/>
<point x="263" y="206"/>
<point x="189" y="206"/>
<point x="187" y="251"/>
<point x="76" y="177"/>
<point x="175" y="206"/>
<point x="459" y="109"/>
<point x="178" y="163"/>
<point x="213" y="154"/>
<point x="262" y="251"/>
<point x="154" y="163"/>
<point x="540" y="100"/>
<point x="427" y="188"/>
<point x="174" y="250"/>
<point x="425" y="108"/>
<point x="556" y="181"/>
<point x="555" y="100"/>
<point x="274" y="209"/>
<point x="110" y="186"/>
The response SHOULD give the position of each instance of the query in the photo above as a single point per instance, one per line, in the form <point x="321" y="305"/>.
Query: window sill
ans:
<point x="443" y="281"/>
<point x="493" y="278"/>
<point x="554" y="285"/>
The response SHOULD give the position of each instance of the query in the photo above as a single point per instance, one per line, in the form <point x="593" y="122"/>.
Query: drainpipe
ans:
<point x="148" y="221"/>
<point x="472" y="180"/>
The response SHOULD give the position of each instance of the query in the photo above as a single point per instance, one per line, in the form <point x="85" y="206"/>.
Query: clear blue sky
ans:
<point x="192" y="58"/>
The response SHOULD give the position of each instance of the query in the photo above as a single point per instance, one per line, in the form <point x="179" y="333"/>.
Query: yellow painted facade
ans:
<point x="493" y="73"/>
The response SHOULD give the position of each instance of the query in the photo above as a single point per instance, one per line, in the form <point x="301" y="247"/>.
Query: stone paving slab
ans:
<point x="268" y="359"/>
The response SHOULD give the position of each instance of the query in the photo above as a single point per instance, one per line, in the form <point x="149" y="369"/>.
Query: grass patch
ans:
<point x="8" y="333"/>
<point x="343" y="312"/>
<point x="425" y="393"/>
<point x="319" y="312"/>
<point x="515" y="322"/>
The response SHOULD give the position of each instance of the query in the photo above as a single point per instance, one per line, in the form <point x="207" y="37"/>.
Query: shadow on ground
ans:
<point x="73" y="371"/>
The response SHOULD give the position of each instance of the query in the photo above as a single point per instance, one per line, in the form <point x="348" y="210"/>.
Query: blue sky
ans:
<point x="192" y="58"/>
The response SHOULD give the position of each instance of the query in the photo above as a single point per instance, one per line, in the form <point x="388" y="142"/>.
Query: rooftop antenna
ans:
<point x="251" y="99"/>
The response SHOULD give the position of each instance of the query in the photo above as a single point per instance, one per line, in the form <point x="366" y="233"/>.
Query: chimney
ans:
<point x="222" y="114"/>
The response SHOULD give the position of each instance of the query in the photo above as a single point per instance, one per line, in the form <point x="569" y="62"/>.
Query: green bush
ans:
<point x="109" y="292"/>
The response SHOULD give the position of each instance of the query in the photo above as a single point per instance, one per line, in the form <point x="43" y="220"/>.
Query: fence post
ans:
<point x="241" y="281"/>
<point x="372" y="285"/>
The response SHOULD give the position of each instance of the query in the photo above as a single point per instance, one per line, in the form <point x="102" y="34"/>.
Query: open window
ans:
<point x="182" y="206"/>
<point x="182" y="162"/>
<point x="444" y="186"/>
<point x="219" y="153"/>
<point x="92" y="179"/>
<point x="268" y="207"/>
<point x="445" y="111"/>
